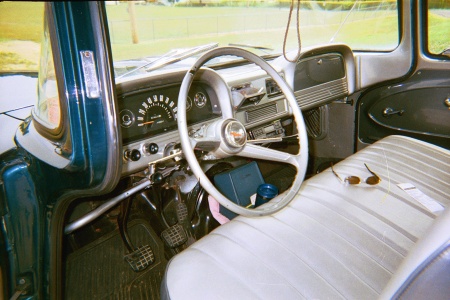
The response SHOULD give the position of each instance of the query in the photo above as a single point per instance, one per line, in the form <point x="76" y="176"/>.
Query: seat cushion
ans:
<point x="332" y="241"/>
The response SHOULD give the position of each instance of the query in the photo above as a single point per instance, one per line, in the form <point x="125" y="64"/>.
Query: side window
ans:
<point x="25" y="50"/>
<point x="438" y="14"/>
<point x="48" y="110"/>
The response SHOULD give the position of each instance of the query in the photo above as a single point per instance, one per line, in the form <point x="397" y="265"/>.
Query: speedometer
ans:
<point x="156" y="113"/>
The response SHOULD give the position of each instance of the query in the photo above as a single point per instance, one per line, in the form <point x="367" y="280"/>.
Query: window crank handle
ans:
<point x="388" y="111"/>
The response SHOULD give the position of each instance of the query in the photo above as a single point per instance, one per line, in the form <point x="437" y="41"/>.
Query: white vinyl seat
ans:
<point x="334" y="240"/>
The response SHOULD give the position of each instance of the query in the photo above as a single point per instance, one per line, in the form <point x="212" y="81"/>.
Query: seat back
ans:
<point x="425" y="272"/>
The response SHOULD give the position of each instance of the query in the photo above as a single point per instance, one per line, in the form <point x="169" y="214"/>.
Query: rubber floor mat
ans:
<point x="99" y="270"/>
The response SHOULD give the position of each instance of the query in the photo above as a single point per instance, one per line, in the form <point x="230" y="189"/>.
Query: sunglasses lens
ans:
<point x="352" y="180"/>
<point x="372" y="180"/>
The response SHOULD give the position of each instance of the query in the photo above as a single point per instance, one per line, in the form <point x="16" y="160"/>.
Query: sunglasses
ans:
<point x="353" y="180"/>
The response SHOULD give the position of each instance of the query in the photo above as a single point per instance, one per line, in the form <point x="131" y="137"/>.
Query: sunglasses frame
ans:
<point x="355" y="180"/>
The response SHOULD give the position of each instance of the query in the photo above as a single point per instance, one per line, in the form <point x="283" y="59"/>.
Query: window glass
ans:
<point x="48" y="110"/>
<point x="439" y="27"/>
<point x="144" y="30"/>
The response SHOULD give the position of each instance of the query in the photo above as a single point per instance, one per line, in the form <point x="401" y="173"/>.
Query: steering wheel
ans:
<point x="228" y="137"/>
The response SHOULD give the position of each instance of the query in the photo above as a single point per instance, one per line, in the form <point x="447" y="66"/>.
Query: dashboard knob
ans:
<point x="133" y="155"/>
<point x="151" y="148"/>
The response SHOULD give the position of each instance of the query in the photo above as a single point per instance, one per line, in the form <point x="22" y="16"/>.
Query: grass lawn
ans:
<point x="20" y="34"/>
<point x="21" y="21"/>
<point x="438" y="32"/>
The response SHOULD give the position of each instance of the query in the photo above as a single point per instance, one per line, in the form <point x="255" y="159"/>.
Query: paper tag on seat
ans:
<point x="253" y="199"/>
<point x="431" y="204"/>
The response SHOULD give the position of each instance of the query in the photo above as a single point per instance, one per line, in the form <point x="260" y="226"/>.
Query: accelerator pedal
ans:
<point x="174" y="236"/>
<point x="140" y="258"/>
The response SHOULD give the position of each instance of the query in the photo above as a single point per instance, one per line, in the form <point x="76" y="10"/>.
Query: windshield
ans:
<point x="142" y="31"/>
<point x="145" y="30"/>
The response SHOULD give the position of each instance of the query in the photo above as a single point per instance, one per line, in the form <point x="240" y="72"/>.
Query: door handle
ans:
<point x="388" y="112"/>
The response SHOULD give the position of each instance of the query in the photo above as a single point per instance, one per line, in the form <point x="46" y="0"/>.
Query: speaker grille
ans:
<point x="321" y="94"/>
<point x="255" y="115"/>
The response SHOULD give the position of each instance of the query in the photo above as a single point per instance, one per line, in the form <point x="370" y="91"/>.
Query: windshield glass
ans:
<point x="144" y="30"/>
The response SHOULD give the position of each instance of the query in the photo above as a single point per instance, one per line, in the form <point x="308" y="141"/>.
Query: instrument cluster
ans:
<point x="148" y="113"/>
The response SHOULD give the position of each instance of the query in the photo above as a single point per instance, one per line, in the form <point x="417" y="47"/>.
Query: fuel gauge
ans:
<point x="200" y="100"/>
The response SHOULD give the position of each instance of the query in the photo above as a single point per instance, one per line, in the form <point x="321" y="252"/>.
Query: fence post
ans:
<point x="132" y="13"/>
<point x="187" y="26"/>
<point x="112" y="32"/>
<point x="153" y="28"/>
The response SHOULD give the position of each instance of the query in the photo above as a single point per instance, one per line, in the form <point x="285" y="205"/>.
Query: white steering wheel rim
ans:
<point x="299" y="161"/>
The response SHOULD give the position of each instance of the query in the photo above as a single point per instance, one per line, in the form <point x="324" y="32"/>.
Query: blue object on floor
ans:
<point x="238" y="185"/>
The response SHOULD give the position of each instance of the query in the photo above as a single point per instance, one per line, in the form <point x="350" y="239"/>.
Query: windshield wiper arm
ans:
<point x="343" y="22"/>
<point x="446" y="52"/>
<point x="171" y="57"/>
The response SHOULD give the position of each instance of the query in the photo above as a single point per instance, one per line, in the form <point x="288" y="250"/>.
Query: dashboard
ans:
<point x="148" y="104"/>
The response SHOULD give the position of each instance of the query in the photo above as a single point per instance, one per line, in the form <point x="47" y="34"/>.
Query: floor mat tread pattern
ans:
<point x="99" y="270"/>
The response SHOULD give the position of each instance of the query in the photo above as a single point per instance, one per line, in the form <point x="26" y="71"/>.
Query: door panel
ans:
<point x="418" y="107"/>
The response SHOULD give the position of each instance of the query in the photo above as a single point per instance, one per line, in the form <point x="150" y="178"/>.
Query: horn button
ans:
<point x="235" y="134"/>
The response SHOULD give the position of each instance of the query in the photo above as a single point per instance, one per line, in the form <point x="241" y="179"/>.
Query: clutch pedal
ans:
<point x="140" y="258"/>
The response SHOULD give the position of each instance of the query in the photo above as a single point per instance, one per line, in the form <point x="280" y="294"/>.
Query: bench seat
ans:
<point x="333" y="240"/>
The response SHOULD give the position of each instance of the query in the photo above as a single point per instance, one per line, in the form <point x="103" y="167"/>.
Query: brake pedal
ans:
<point x="174" y="236"/>
<point x="182" y="212"/>
<point x="140" y="258"/>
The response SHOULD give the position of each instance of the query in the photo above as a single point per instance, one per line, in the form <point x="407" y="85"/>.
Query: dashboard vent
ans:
<point x="257" y="114"/>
